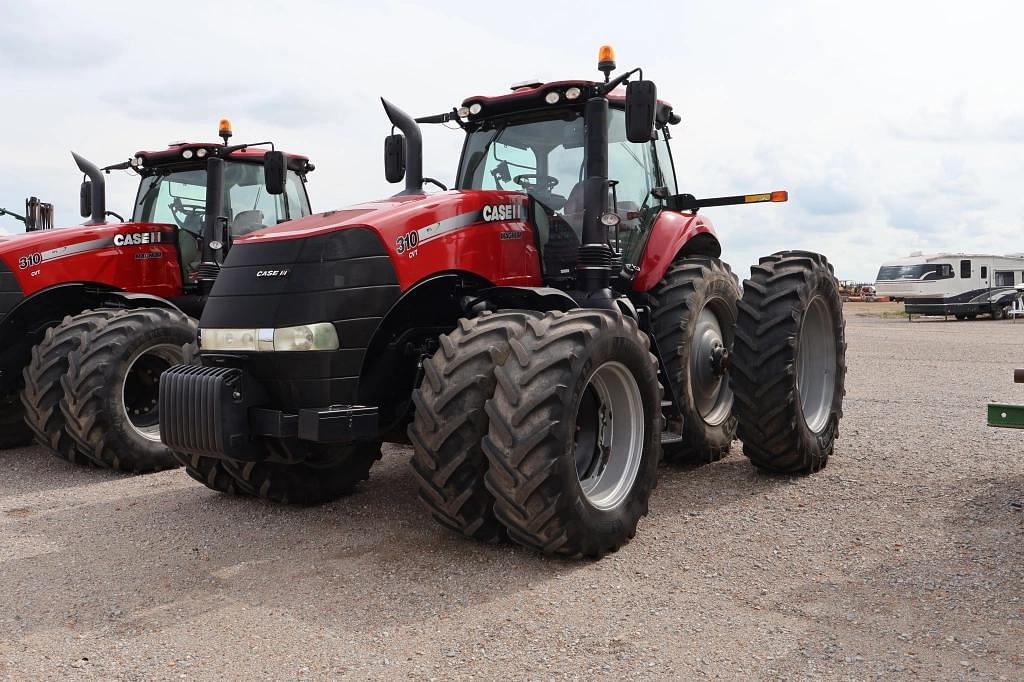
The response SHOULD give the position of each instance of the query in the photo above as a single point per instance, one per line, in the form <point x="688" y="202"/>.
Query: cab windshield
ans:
<point x="545" y="159"/>
<point x="179" y="198"/>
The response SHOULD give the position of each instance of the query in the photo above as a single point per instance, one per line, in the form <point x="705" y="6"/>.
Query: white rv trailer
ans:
<point x="962" y="284"/>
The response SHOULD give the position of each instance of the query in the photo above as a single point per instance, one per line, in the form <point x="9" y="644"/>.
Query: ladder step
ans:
<point x="669" y="437"/>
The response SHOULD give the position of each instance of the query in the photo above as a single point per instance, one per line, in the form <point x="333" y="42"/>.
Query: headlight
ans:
<point x="475" y="108"/>
<point x="227" y="339"/>
<point x="187" y="154"/>
<point x="610" y="219"/>
<point x="572" y="93"/>
<point x="201" y="153"/>
<point x="321" y="336"/>
<point x="463" y="112"/>
<point x="552" y="97"/>
<point x="318" y="336"/>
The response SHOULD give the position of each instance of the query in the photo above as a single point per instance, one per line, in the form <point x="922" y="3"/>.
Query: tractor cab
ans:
<point x="211" y="192"/>
<point x="594" y="160"/>
<point x="533" y="141"/>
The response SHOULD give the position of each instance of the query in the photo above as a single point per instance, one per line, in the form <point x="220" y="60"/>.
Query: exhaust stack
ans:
<point x="413" y="147"/>
<point x="98" y="193"/>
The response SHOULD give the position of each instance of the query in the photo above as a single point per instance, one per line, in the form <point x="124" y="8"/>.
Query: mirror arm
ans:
<point x="619" y="80"/>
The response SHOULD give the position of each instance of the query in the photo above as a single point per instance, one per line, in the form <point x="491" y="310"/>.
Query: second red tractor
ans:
<point x="91" y="315"/>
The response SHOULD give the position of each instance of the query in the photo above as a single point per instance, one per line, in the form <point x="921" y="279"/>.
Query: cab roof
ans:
<point x="532" y="96"/>
<point x="176" y="150"/>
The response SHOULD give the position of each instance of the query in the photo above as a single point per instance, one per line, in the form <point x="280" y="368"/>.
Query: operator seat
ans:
<point x="246" y="222"/>
<point x="573" y="209"/>
<point x="188" y="241"/>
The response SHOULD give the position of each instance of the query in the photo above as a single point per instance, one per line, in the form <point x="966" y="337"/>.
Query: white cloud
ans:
<point x="894" y="125"/>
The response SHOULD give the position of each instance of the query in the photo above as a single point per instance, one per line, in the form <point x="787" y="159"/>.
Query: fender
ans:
<point x="674" y="234"/>
<point x="135" y="300"/>
<point x="530" y="298"/>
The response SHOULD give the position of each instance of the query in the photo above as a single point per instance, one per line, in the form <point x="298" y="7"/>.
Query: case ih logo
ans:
<point x="502" y="212"/>
<point x="136" y="238"/>
<point x="271" y="273"/>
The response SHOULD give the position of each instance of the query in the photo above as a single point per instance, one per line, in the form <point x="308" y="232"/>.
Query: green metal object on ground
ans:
<point x="1008" y="416"/>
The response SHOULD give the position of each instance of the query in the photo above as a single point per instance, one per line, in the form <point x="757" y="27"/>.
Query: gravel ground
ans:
<point x="904" y="558"/>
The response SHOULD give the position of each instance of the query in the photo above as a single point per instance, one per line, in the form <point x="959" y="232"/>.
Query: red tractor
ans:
<point x="544" y="334"/>
<point x="90" y="316"/>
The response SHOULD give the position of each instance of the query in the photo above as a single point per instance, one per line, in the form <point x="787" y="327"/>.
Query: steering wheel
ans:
<point x="528" y="181"/>
<point x="177" y="207"/>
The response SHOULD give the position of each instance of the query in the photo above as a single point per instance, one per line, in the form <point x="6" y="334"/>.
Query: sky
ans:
<point x="895" y="126"/>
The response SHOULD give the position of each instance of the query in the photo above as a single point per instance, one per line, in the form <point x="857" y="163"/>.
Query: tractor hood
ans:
<point x="473" y="231"/>
<point x="396" y="215"/>
<point x="58" y="243"/>
<point x="140" y="257"/>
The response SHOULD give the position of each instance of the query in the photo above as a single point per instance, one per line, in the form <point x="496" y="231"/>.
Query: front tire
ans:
<point x="450" y="423"/>
<point x="789" y="364"/>
<point x="575" y="433"/>
<point x="304" y="474"/>
<point x="112" y="387"/>
<point x="693" y="318"/>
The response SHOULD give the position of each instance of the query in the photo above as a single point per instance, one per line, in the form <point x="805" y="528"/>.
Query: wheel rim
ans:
<point x="816" y="364"/>
<point x="609" y="439"/>
<point x="140" y="392"/>
<point x="709" y="365"/>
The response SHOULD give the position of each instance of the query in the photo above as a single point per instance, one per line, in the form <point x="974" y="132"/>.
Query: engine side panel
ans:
<point x="485" y="233"/>
<point x="139" y="257"/>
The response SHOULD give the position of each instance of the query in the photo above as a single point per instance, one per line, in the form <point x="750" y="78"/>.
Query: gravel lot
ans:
<point x="904" y="558"/>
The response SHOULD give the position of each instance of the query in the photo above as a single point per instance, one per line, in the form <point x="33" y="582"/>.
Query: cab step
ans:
<point x="670" y="437"/>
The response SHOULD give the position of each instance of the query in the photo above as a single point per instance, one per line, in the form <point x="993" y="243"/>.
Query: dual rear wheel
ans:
<point x="548" y="428"/>
<point x="91" y="386"/>
<point x="540" y="427"/>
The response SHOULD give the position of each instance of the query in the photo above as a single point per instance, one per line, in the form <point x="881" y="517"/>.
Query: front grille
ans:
<point x="344" y="277"/>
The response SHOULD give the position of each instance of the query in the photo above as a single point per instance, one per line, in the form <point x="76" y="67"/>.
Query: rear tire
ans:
<point x="789" y="363"/>
<point x="693" y="318"/>
<point x="304" y="474"/>
<point x="43" y="392"/>
<point x="111" y="387"/>
<point x="14" y="432"/>
<point x="450" y="423"/>
<point x="575" y="433"/>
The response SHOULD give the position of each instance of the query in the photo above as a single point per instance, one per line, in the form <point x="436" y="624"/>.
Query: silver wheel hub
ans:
<point x="709" y="365"/>
<point x="816" y="365"/>
<point x="140" y="391"/>
<point x="609" y="442"/>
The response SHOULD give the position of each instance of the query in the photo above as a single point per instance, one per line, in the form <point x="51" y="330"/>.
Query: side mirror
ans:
<point x="641" y="105"/>
<point x="85" y="199"/>
<point x="394" y="157"/>
<point x="275" y="171"/>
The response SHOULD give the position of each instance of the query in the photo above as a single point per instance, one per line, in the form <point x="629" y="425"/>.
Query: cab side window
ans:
<point x="965" y="269"/>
